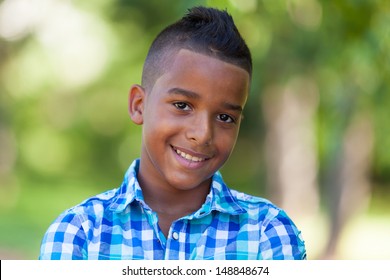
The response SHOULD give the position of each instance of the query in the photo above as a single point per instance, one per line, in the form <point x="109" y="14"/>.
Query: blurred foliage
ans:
<point x="66" y="68"/>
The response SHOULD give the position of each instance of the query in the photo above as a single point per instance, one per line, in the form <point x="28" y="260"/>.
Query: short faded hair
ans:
<point x="203" y="30"/>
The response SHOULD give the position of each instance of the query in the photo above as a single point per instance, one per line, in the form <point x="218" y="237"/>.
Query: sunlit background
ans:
<point x="315" y="139"/>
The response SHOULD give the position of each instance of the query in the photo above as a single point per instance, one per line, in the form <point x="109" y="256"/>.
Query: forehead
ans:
<point x="201" y="72"/>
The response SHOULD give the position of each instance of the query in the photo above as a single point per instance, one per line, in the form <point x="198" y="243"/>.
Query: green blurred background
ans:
<point x="315" y="138"/>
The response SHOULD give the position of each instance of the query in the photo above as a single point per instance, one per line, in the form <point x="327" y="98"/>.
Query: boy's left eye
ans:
<point x="182" y="106"/>
<point x="225" y="118"/>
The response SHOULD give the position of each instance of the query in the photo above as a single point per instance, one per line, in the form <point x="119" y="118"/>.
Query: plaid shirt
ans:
<point x="118" y="224"/>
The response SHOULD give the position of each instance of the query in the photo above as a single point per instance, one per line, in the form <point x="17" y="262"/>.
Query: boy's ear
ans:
<point x="136" y="104"/>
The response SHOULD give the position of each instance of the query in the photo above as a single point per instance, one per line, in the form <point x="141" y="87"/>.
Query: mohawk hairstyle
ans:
<point x="203" y="30"/>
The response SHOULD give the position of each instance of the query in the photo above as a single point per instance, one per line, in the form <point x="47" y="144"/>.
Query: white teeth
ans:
<point x="189" y="157"/>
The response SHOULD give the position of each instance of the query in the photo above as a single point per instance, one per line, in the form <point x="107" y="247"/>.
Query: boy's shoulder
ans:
<point x="244" y="200"/>
<point x="250" y="199"/>
<point x="93" y="206"/>
<point x="252" y="202"/>
<point x="261" y="211"/>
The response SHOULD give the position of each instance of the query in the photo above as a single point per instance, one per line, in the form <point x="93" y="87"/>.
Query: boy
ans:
<point x="173" y="203"/>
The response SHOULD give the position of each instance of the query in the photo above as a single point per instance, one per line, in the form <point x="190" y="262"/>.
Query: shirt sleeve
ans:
<point x="65" y="239"/>
<point x="281" y="239"/>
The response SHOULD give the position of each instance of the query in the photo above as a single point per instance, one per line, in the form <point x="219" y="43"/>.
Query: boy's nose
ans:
<point x="200" y="130"/>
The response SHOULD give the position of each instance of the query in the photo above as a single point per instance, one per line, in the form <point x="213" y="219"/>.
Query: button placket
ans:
<point x="176" y="241"/>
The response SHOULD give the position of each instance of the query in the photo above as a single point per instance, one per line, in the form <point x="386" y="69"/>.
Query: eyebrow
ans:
<point x="184" y="92"/>
<point x="194" y="95"/>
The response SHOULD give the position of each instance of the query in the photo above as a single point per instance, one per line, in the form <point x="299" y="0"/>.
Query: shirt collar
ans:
<point x="129" y="191"/>
<point x="220" y="198"/>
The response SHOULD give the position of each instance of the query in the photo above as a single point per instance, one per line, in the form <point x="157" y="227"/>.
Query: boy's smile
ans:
<point x="191" y="118"/>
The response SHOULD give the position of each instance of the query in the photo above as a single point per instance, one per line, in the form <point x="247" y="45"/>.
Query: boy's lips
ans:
<point x="189" y="155"/>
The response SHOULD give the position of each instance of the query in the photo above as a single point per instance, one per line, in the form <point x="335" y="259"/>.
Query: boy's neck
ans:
<point x="170" y="203"/>
<point x="173" y="202"/>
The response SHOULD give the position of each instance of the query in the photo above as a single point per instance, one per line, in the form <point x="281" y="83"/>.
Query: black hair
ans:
<point x="203" y="30"/>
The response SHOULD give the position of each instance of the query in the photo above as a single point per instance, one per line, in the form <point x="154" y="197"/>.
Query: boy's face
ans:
<point x="191" y="118"/>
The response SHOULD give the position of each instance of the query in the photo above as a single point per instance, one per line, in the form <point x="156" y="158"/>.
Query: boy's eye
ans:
<point x="225" y="118"/>
<point x="182" y="106"/>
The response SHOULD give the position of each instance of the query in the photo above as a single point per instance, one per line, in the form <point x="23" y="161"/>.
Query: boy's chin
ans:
<point x="185" y="183"/>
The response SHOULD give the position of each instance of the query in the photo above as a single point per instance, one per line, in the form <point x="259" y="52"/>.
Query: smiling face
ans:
<point x="191" y="118"/>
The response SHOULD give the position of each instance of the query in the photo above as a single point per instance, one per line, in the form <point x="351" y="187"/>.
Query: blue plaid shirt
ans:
<point x="118" y="224"/>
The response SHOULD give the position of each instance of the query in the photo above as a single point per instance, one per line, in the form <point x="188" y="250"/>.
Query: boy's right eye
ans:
<point x="182" y="106"/>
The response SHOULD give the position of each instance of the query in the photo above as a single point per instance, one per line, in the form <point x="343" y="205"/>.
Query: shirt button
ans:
<point x="175" y="235"/>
